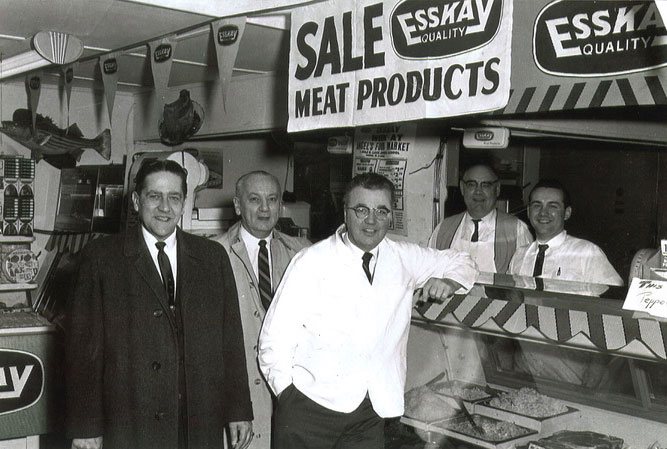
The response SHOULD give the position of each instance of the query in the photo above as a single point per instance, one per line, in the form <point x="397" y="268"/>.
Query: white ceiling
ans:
<point x="106" y="25"/>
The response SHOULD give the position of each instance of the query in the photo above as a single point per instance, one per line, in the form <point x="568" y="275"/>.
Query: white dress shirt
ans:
<point x="567" y="258"/>
<point x="252" y="247"/>
<point x="170" y="249"/>
<point x="483" y="250"/>
<point x="335" y="336"/>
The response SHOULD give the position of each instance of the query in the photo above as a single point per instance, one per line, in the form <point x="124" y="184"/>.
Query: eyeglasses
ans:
<point x="484" y="185"/>
<point x="362" y="212"/>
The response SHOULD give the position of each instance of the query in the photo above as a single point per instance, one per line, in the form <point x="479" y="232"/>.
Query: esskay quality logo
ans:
<point x="432" y="28"/>
<point x="162" y="53"/>
<point x="110" y="66"/>
<point x="227" y="34"/>
<point x="588" y="38"/>
<point x="21" y="380"/>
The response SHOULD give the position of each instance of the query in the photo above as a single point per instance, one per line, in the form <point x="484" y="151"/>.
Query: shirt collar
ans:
<point x="252" y="241"/>
<point x="555" y="241"/>
<point x="358" y="252"/>
<point x="151" y="240"/>
<point x="488" y="218"/>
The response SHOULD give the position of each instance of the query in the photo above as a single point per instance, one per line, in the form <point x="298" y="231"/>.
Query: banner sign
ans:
<point x="227" y="34"/>
<point x="109" y="69"/>
<point x="587" y="54"/>
<point x="588" y="38"/>
<point x="367" y="62"/>
<point x="162" y="57"/>
<point x="34" y="85"/>
<point x="384" y="149"/>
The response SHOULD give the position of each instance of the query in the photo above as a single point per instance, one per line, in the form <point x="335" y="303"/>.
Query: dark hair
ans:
<point x="551" y="184"/>
<point x="370" y="181"/>
<point x="150" y="166"/>
<point x="242" y="179"/>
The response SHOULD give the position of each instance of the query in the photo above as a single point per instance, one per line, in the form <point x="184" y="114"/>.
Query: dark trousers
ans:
<point x="301" y="423"/>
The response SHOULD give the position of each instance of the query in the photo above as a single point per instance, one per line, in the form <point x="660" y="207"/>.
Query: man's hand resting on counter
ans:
<point x="440" y="289"/>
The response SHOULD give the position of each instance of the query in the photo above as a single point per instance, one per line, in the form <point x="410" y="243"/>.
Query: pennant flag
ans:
<point x="227" y="34"/>
<point x="109" y="69"/>
<point x="161" y="54"/>
<point x="34" y="84"/>
<point x="68" y="78"/>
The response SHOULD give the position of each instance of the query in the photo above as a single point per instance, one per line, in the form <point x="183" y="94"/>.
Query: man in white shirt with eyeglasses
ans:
<point x="333" y="343"/>
<point x="490" y="236"/>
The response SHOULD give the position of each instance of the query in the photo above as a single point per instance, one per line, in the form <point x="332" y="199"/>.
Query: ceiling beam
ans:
<point x="222" y="8"/>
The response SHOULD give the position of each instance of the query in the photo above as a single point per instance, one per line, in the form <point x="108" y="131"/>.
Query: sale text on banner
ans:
<point x="368" y="62"/>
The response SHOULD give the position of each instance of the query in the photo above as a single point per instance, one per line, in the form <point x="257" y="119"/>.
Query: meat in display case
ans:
<point x="565" y="362"/>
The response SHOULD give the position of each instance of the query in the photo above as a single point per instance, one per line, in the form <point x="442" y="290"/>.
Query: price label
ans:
<point x="649" y="296"/>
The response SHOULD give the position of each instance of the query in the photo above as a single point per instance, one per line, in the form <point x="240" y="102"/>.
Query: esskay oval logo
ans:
<point x="21" y="380"/>
<point x="588" y="38"/>
<point x="484" y="135"/>
<point x="162" y="53"/>
<point x="431" y="28"/>
<point x="227" y="34"/>
<point x="110" y="66"/>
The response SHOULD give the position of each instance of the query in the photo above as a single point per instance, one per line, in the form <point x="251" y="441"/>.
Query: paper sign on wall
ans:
<point x="648" y="296"/>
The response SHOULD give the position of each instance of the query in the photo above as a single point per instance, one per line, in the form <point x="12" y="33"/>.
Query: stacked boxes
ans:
<point x="17" y="202"/>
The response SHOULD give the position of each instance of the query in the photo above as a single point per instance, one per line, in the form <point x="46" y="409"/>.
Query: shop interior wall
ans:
<point x="614" y="194"/>
<point x="236" y="155"/>
<point x="88" y="110"/>
<point x="254" y="103"/>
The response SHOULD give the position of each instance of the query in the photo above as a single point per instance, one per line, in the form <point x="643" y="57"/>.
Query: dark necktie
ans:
<point x="475" y="234"/>
<point x="165" y="271"/>
<point x="539" y="260"/>
<point x="265" y="293"/>
<point x="366" y="265"/>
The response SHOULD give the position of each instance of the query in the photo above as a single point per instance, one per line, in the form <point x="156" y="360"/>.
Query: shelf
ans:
<point x="13" y="287"/>
<point x="16" y="239"/>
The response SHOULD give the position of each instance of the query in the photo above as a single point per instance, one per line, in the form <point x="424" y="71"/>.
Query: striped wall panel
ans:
<point x="567" y="94"/>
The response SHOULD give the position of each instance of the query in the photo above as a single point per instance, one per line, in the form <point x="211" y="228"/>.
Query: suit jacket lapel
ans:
<point x="136" y="250"/>
<point x="240" y="251"/>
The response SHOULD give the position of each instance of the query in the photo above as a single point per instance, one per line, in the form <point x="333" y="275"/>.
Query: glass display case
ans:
<point x="560" y="365"/>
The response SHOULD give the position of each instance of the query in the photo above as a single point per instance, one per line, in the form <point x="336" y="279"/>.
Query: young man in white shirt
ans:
<point x="555" y="254"/>
<point x="333" y="343"/>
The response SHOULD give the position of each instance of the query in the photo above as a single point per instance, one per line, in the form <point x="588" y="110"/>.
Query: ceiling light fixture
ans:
<point x="51" y="47"/>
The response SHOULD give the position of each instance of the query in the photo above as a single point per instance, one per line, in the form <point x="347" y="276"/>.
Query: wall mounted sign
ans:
<point x="589" y="38"/>
<point x="368" y="62"/>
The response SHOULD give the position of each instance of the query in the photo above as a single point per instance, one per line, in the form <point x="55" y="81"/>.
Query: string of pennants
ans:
<point x="619" y="333"/>
<point x="227" y="33"/>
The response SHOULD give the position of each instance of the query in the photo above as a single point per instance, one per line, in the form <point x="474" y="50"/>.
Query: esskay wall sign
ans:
<point x="21" y="380"/>
<point x="589" y="38"/>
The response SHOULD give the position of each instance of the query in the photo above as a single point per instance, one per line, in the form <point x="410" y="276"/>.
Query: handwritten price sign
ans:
<point x="647" y="296"/>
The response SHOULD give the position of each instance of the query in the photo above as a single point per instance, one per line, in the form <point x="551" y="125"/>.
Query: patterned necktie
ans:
<point x="165" y="271"/>
<point x="366" y="265"/>
<point x="265" y="293"/>
<point x="539" y="260"/>
<point x="475" y="234"/>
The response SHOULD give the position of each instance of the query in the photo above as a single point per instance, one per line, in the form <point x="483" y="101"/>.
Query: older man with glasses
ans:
<point x="333" y="343"/>
<point x="490" y="236"/>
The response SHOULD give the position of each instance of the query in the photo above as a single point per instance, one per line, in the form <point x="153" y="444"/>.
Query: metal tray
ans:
<point x="443" y="427"/>
<point x="541" y="424"/>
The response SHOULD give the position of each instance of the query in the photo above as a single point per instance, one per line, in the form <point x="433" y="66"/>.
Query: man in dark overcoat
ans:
<point x="154" y="351"/>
